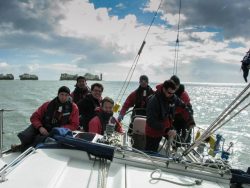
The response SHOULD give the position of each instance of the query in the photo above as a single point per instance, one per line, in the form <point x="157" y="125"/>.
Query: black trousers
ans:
<point x="152" y="143"/>
<point x="30" y="137"/>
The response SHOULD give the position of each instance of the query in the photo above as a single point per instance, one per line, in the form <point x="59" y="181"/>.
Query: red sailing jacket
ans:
<point x="160" y="114"/>
<point x="155" y="133"/>
<point x="37" y="117"/>
<point x="131" y="100"/>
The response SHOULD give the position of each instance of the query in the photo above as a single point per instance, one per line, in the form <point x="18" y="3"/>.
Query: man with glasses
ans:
<point x="160" y="115"/>
<point x="180" y="124"/>
<point x="90" y="105"/>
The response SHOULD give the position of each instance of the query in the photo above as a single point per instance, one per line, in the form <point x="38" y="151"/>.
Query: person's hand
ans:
<point x="120" y="118"/>
<point x="43" y="131"/>
<point x="172" y="133"/>
<point x="97" y="109"/>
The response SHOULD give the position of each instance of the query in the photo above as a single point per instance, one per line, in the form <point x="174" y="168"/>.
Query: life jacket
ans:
<point x="57" y="114"/>
<point x="79" y="93"/>
<point x="165" y="112"/>
<point x="87" y="110"/>
<point x="105" y="120"/>
<point x="167" y="107"/>
<point x="141" y="99"/>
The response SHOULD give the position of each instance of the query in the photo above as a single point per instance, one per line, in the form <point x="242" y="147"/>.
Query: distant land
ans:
<point x="6" y="77"/>
<point x="88" y="76"/>
<point x="26" y="76"/>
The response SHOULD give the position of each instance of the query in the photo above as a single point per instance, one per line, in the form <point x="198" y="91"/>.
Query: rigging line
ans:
<point x="233" y="108"/>
<point x="241" y="93"/>
<point x="227" y="109"/>
<point x="217" y="126"/>
<point x="132" y="70"/>
<point x="233" y="115"/>
<point x="207" y="134"/>
<point x="153" y="19"/>
<point x="208" y="130"/>
<point x="177" y="44"/>
<point x="129" y="79"/>
<point x="126" y="79"/>
<point x="225" y="114"/>
<point x="176" y="58"/>
<point x="137" y="56"/>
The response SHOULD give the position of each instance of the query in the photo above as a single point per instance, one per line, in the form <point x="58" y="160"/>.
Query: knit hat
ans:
<point x="175" y="79"/>
<point x="64" y="89"/>
<point x="80" y="78"/>
<point x="144" y="77"/>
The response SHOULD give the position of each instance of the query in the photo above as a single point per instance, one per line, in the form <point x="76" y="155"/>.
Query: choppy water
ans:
<point x="208" y="100"/>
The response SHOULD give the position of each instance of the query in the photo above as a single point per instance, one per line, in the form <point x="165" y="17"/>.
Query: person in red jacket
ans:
<point x="180" y="124"/>
<point x="160" y="115"/>
<point x="60" y="112"/>
<point x="138" y="99"/>
<point x="98" y="123"/>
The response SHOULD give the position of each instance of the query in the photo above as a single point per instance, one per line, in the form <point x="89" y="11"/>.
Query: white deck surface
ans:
<point x="61" y="168"/>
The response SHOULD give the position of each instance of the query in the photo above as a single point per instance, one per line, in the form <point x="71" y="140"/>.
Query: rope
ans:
<point x="215" y="125"/>
<point x="158" y="170"/>
<point x="102" y="178"/>
<point x="216" y="167"/>
<point x="135" y="62"/>
<point x="177" y="43"/>
<point x="151" y="159"/>
<point x="91" y="173"/>
<point x="196" y="182"/>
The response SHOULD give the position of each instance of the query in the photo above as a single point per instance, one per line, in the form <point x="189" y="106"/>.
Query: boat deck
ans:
<point x="64" y="168"/>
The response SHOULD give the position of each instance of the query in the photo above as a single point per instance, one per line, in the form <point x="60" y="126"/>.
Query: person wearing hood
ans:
<point x="81" y="89"/>
<point x="180" y="125"/>
<point x="60" y="112"/>
<point x="98" y="123"/>
<point x="160" y="115"/>
<point x="245" y="66"/>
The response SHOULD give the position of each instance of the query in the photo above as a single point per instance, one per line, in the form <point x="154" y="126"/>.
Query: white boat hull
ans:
<point x="64" y="168"/>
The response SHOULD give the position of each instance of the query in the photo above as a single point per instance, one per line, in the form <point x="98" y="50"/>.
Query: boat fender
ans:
<point x="116" y="107"/>
<point x="211" y="140"/>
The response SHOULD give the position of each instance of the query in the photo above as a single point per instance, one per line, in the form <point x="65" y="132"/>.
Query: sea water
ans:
<point x="208" y="100"/>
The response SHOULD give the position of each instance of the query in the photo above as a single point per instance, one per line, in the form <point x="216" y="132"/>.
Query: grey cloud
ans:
<point x="89" y="47"/>
<point x="31" y="25"/>
<point x="29" y="16"/>
<point x="232" y="17"/>
<point x="204" y="70"/>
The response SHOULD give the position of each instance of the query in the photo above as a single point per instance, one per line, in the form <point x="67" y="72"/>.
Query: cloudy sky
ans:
<point x="47" y="38"/>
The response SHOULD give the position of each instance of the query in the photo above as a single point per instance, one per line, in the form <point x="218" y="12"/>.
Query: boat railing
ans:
<point x="1" y="130"/>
